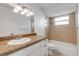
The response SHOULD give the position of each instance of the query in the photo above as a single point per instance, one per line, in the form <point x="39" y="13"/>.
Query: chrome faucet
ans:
<point x="18" y="36"/>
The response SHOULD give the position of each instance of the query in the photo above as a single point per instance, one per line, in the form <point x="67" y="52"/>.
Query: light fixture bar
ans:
<point x="23" y="10"/>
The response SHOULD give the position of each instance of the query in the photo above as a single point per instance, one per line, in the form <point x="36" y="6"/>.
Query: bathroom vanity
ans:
<point x="36" y="47"/>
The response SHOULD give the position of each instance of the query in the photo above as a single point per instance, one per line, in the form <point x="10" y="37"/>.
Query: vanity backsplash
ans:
<point x="15" y="36"/>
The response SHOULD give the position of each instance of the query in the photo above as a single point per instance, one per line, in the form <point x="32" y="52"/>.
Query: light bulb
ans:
<point x="16" y="10"/>
<point x="26" y="10"/>
<point x="19" y="8"/>
<point x="31" y="13"/>
<point x="27" y="15"/>
<point x="22" y="13"/>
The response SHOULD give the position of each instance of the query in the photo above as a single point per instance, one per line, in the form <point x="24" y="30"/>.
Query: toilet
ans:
<point x="51" y="49"/>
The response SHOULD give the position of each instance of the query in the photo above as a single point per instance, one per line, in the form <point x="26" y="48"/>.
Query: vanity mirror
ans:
<point x="14" y="23"/>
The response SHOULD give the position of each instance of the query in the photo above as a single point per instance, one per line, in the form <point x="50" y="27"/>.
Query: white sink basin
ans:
<point x="19" y="41"/>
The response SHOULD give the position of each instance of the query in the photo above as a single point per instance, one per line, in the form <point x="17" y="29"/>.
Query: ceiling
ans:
<point x="55" y="9"/>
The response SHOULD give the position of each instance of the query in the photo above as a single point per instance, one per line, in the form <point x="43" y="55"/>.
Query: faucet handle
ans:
<point x="11" y="34"/>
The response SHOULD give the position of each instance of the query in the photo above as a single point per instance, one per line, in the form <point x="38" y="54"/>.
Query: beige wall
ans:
<point x="65" y="33"/>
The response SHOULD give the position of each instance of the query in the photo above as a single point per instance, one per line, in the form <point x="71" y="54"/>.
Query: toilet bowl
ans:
<point x="51" y="49"/>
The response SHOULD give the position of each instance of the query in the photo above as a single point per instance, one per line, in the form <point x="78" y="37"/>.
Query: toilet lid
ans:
<point x="51" y="45"/>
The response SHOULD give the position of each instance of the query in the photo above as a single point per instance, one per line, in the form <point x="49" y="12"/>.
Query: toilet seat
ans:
<point x="51" y="46"/>
<point x="51" y="49"/>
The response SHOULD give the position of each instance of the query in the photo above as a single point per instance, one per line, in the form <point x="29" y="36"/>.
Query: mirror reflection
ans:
<point x="14" y="23"/>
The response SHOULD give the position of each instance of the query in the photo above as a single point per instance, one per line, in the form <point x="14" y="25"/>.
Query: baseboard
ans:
<point x="67" y="49"/>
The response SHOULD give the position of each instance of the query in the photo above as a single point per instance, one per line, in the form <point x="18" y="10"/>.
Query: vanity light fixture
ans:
<point x="22" y="13"/>
<point x="20" y="8"/>
<point x="23" y="10"/>
<point x="26" y="10"/>
<point x="27" y="15"/>
<point x="31" y="13"/>
<point x="16" y="10"/>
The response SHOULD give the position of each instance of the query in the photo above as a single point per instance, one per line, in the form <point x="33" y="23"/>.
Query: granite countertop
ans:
<point x="6" y="49"/>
